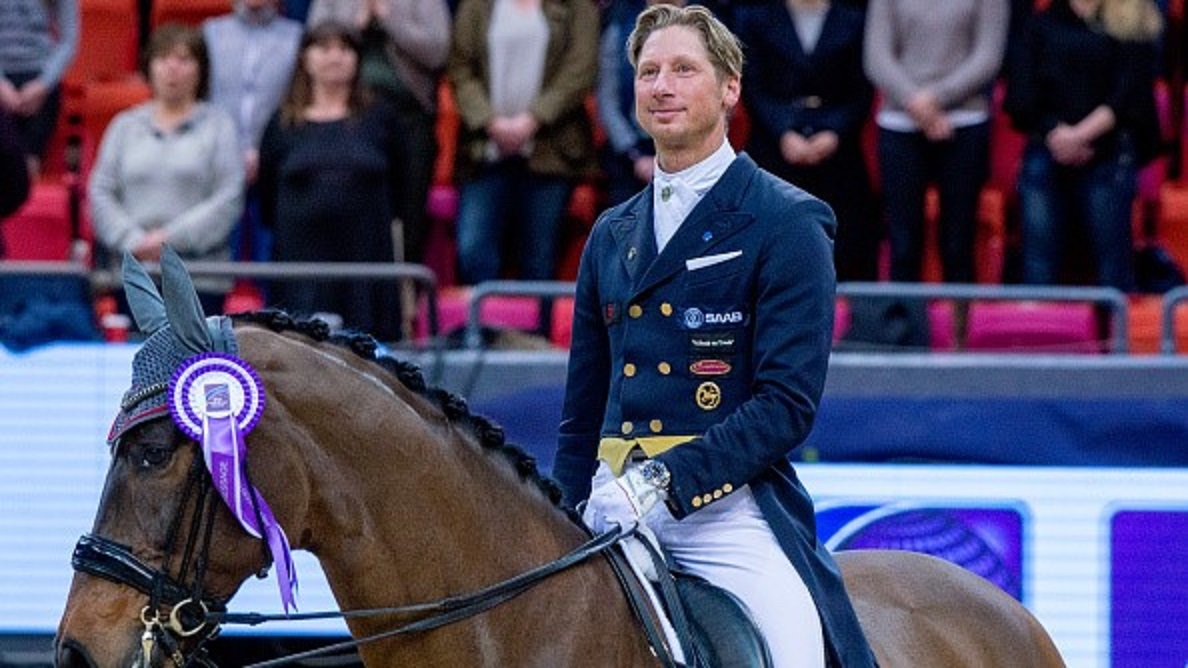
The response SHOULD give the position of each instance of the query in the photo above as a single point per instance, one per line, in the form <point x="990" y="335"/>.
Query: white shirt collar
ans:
<point x="675" y="195"/>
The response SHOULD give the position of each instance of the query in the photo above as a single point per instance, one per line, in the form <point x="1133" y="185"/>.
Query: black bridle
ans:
<point x="177" y="613"/>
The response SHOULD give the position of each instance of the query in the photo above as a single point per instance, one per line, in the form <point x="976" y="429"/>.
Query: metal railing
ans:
<point x="419" y="275"/>
<point x="488" y="289"/>
<point x="1167" y="317"/>
<point x="426" y="281"/>
<point x="1110" y="298"/>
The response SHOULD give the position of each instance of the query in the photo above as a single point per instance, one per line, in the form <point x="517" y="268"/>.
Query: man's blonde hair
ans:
<point x="725" y="51"/>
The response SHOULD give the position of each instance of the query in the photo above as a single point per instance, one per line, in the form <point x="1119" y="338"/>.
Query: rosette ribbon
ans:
<point x="216" y="399"/>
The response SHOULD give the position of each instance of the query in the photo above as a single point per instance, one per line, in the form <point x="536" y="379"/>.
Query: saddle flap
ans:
<point x="712" y="625"/>
<point x="722" y="630"/>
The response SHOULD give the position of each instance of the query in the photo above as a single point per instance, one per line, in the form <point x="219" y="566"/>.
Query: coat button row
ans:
<point x="656" y="426"/>
<point x="636" y="311"/>
<point x="708" y="498"/>
<point x="630" y="369"/>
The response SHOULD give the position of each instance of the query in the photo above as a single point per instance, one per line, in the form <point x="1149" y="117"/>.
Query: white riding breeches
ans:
<point x="730" y="544"/>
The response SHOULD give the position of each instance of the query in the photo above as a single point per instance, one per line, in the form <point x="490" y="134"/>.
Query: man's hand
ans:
<point x="621" y="502"/>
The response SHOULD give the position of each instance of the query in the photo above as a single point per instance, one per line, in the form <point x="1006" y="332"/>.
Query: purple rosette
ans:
<point x="216" y="399"/>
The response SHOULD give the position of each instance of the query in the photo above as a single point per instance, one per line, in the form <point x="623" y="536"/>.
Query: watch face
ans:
<point x="656" y="473"/>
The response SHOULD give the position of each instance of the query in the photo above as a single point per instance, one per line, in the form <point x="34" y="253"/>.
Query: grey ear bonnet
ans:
<point x="176" y="329"/>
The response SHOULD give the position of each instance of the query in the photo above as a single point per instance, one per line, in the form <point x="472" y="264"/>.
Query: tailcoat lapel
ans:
<point x="632" y="231"/>
<point x="716" y="218"/>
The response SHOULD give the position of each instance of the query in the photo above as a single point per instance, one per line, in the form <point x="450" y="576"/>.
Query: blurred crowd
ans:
<point x="386" y="130"/>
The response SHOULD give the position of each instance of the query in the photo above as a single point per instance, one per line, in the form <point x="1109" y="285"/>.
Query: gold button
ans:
<point x="635" y="310"/>
<point x="707" y="498"/>
<point x="629" y="369"/>
<point x="628" y="427"/>
<point x="717" y="493"/>
<point x="666" y="309"/>
<point x="696" y="502"/>
<point x="728" y="488"/>
<point x="665" y="368"/>
<point x="656" y="426"/>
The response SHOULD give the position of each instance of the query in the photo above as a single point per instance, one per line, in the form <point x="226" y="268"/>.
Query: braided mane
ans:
<point x="453" y="406"/>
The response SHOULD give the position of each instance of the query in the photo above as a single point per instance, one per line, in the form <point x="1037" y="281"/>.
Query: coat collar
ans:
<point x="715" y="218"/>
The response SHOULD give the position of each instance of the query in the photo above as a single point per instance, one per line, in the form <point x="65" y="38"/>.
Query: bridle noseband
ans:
<point x="175" y="613"/>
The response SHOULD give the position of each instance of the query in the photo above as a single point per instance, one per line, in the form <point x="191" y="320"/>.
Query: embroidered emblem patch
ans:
<point x="709" y="396"/>
<point x="716" y="343"/>
<point x="710" y="367"/>
<point x="695" y="318"/>
<point x="610" y="313"/>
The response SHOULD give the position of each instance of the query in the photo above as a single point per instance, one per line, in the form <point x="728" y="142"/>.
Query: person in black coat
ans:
<point x="1082" y="89"/>
<point x="809" y="99"/>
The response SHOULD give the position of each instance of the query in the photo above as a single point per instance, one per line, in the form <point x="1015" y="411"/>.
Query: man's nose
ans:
<point x="662" y="83"/>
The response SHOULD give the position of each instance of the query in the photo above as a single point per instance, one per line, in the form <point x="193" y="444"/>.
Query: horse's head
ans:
<point x="146" y="575"/>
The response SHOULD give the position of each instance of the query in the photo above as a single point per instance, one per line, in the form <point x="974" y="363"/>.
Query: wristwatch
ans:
<point x="656" y="474"/>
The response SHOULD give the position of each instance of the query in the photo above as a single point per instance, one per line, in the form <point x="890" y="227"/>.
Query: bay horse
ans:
<point x="406" y="497"/>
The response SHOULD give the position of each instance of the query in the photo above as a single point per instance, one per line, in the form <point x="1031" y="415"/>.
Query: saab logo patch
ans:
<point x="710" y="368"/>
<point x="695" y="318"/>
<point x="733" y="317"/>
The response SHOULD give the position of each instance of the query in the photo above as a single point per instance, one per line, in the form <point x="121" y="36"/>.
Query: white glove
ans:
<point x="621" y="501"/>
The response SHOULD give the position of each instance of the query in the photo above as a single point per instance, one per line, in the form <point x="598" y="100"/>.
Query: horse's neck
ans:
<point x="400" y="506"/>
<point x="429" y="522"/>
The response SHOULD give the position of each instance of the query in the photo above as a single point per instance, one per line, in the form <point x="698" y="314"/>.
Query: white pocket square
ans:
<point x="696" y="263"/>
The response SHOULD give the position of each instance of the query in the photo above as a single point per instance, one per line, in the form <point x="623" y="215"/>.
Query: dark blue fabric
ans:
<point x="1017" y="432"/>
<point x="1055" y="200"/>
<point x="35" y="310"/>
<point x="909" y="162"/>
<point x="1024" y="431"/>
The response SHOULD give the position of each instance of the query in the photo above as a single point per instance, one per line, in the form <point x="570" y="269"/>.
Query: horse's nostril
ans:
<point x="71" y="655"/>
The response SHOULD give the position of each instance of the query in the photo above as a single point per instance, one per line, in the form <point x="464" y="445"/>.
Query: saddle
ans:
<point x="713" y="627"/>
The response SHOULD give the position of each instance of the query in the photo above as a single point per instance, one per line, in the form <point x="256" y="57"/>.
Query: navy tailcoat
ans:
<point x="724" y="337"/>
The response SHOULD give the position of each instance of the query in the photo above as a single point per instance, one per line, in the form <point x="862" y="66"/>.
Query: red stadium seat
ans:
<point x="40" y="230"/>
<point x="107" y="46"/>
<point x="1036" y="327"/>
<point x="561" y="330"/>
<point x="188" y="12"/>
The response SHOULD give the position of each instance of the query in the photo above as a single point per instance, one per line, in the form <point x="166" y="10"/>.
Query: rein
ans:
<point x="190" y="614"/>
<point x="441" y="612"/>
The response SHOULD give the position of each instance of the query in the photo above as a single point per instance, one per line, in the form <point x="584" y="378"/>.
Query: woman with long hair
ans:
<point x="329" y="178"/>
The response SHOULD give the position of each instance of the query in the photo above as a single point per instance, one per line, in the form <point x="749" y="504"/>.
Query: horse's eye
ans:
<point x="153" y="456"/>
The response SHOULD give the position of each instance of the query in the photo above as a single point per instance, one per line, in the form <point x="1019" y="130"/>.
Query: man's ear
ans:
<point x="731" y="92"/>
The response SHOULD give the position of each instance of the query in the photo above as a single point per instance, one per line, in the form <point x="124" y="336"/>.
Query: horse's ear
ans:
<point x="148" y="309"/>
<point x="182" y="306"/>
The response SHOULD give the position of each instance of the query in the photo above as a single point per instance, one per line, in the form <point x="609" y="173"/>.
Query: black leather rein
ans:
<point x="115" y="562"/>
<point x="440" y="612"/>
